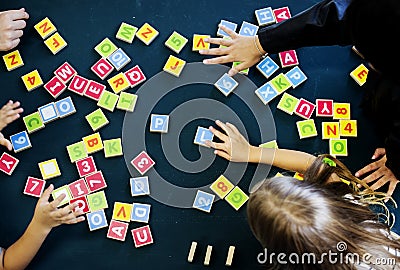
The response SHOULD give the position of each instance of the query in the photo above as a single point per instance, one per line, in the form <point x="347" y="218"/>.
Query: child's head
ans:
<point x="291" y="216"/>
<point x="373" y="25"/>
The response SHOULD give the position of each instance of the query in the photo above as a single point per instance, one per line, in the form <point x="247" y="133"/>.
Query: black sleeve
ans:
<point x="321" y="24"/>
<point x="392" y="146"/>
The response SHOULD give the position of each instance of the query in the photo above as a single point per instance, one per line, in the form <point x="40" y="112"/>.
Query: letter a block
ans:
<point x="126" y="32"/>
<point x="34" y="186"/>
<point x="306" y="128"/>
<point x="8" y="163"/>
<point x="122" y="211"/>
<point x="142" y="162"/>
<point x="174" y="65"/>
<point x="147" y="33"/>
<point x="140" y="212"/>
<point x="360" y="74"/>
<point x="96" y="220"/>
<point x="13" y="60"/>
<point x="236" y="198"/>
<point x="112" y="148"/>
<point x="105" y="48"/>
<point x="142" y="236"/>
<point x="288" y="58"/>
<point x="117" y="230"/>
<point x="338" y="147"/>
<point x="45" y="28"/>
<point x="93" y="143"/>
<point x="55" y="43"/>
<point x="32" y="80"/>
<point x="281" y="14"/>
<point x="139" y="186"/>
<point x="159" y="123"/>
<point x="203" y="135"/>
<point x="33" y="122"/>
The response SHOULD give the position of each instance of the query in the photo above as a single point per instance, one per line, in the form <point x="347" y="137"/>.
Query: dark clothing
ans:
<point x="325" y="24"/>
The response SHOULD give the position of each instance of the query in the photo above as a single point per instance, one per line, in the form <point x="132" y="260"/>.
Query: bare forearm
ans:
<point x="286" y="159"/>
<point x="21" y="253"/>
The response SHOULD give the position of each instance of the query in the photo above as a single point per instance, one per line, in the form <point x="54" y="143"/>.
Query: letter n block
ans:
<point x="330" y="130"/>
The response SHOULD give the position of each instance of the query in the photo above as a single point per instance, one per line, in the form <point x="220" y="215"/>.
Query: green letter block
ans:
<point x="306" y="128"/>
<point x="288" y="103"/>
<point x="176" y="42"/>
<point x="126" y="32"/>
<point x="236" y="198"/>
<point x="97" y="201"/>
<point x="105" y="48"/>
<point x="112" y="148"/>
<point x="338" y="147"/>
<point x="33" y="122"/>
<point x="97" y="119"/>
<point x="76" y="151"/>
<point x="127" y="101"/>
<point x="108" y="100"/>
<point x="281" y="83"/>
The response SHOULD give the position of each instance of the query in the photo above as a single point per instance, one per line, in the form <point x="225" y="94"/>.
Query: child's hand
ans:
<point x="5" y="142"/>
<point x="10" y="112"/>
<point x="48" y="216"/>
<point x="11" y="24"/>
<point x="234" y="146"/>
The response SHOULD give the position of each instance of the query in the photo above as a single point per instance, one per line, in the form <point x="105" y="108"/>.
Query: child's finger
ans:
<point x="54" y="204"/>
<point x="219" y="134"/>
<point x="6" y="143"/>
<point x="222" y="126"/>
<point x="46" y="193"/>
<point x="222" y="154"/>
<point x="230" y="32"/>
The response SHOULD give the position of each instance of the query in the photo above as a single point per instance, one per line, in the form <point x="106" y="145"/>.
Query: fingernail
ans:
<point x="373" y="157"/>
<point x="205" y="61"/>
<point x="207" y="40"/>
<point x="357" y="174"/>
<point x="201" y="51"/>
<point x="215" y="152"/>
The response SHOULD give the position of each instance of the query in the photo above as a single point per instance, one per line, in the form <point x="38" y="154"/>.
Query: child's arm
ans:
<point x="235" y="147"/>
<point x="46" y="217"/>
<point x="8" y="113"/>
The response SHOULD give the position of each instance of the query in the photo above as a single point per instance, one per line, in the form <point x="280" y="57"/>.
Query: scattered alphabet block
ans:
<point x="296" y="76"/>
<point x="32" y="80"/>
<point x="95" y="181"/>
<point x="266" y="93"/>
<point x="199" y="43"/>
<point x="142" y="236"/>
<point x="147" y="33"/>
<point x="119" y="59"/>
<point x="108" y="100"/>
<point x="267" y="67"/>
<point x="288" y="103"/>
<point x="265" y="16"/>
<point x="338" y="147"/>
<point x="62" y="190"/>
<point x="230" y="25"/>
<point x="76" y="151"/>
<point x="94" y="90"/>
<point x="34" y="186"/>
<point x="97" y="119"/>
<point x="330" y="130"/>
<point x="65" y="72"/>
<point x="82" y="204"/>
<point x="140" y="212"/>
<point x="348" y="128"/>
<point x="13" y="60"/>
<point x="341" y="110"/>
<point x="93" y="143"/>
<point x="280" y="83"/>
<point x="159" y="123"/>
<point x="102" y="68"/>
<point x="65" y="107"/>
<point x="78" y="85"/>
<point x="8" y="163"/>
<point x="85" y="166"/>
<point x="122" y="211"/>
<point x="112" y="148"/>
<point x="135" y="76"/>
<point x="306" y="128"/>
<point x="176" y="42"/>
<point x="55" y="43"/>
<point x="48" y="112"/>
<point x="78" y="188"/>
<point x="298" y="176"/>
<point x="96" y="220"/>
<point x="281" y="14"/>
<point x="126" y="32"/>
<point x="237" y="198"/>
<point x="20" y="141"/>
<point x="324" y="107"/>
<point x="142" y="162"/>
<point x="203" y="201"/>
<point x="359" y="74"/>
<point x="127" y="101"/>
<point x="288" y="58"/>
<point x="117" y="230"/>
<point x="118" y="83"/>
<point x="248" y="29"/>
<point x="203" y="135"/>
<point x="49" y="169"/>
<point x="271" y="144"/>
<point x="105" y="48"/>
<point x="33" y="122"/>
<point x="222" y="186"/>
<point x="304" y="108"/>
<point x="174" y="65"/>
<point x="139" y="186"/>
<point x="97" y="201"/>
<point x="55" y="86"/>
<point x="45" y="28"/>
<point x="226" y="84"/>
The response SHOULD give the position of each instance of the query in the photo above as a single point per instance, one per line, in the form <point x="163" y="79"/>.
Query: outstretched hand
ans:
<point x="12" y="23"/>
<point x="237" y="49"/>
<point x="380" y="173"/>
<point x="8" y="113"/>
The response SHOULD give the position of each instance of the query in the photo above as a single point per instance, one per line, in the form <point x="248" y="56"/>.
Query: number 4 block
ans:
<point x="226" y="84"/>
<point x="32" y="80"/>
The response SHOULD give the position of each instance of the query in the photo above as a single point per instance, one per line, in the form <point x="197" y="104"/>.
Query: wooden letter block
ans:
<point x="119" y="83"/>
<point x="82" y="204"/>
<point x="119" y="59"/>
<point x="8" y="163"/>
<point x="33" y="122"/>
<point x="304" y="108"/>
<point x="95" y="181"/>
<point x="203" y="135"/>
<point x="142" y="162"/>
<point x="76" y="151"/>
<point x="55" y="86"/>
<point x="338" y="147"/>
<point x="65" y="107"/>
<point x="341" y="110"/>
<point x="78" y="188"/>
<point x="45" y="28"/>
<point x="280" y="83"/>
<point x="78" y="85"/>
<point x="266" y="93"/>
<point x="288" y="58"/>
<point x="105" y="48"/>
<point x="222" y="186"/>
<point x="203" y="201"/>
<point x="86" y="166"/>
<point x="324" y="107"/>
<point x="122" y="211"/>
<point x="65" y="72"/>
<point x="34" y="186"/>
<point x="48" y="112"/>
<point x="288" y="103"/>
<point x="102" y="68"/>
<point x="296" y="76"/>
<point x="126" y="32"/>
<point x="267" y="67"/>
<point x="306" y="128"/>
<point x="227" y="24"/>
<point x="348" y="128"/>
<point x="55" y="43"/>
<point x="20" y="141"/>
<point x="13" y="60"/>
<point x="237" y="198"/>
<point x="226" y="84"/>
<point x="96" y="220"/>
<point x="142" y="236"/>
<point x="62" y="190"/>
<point x="174" y="65"/>
<point x="330" y="130"/>
<point x="112" y="148"/>
<point x="248" y="29"/>
<point x="127" y="101"/>
<point x="159" y="123"/>
<point x="176" y="42"/>
<point x="94" y="90"/>
<point x="97" y="201"/>
<point x="117" y="230"/>
<point x="93" y="143"/>
<point x="49" y="169"/>
<point x="108" y="100"/>
<point x="265" y="16"/>
<point x="139" y="186"/>
<point x="140" y="212"/>
<point x="32" y="80"/>
<point x="360" y="74"/>
<point x="135" y="76"/>
<point x="147" y="33"/>
<point x="199" y="43"/>
<point x="97" y="119"/>
<point x="281" y="14"/>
